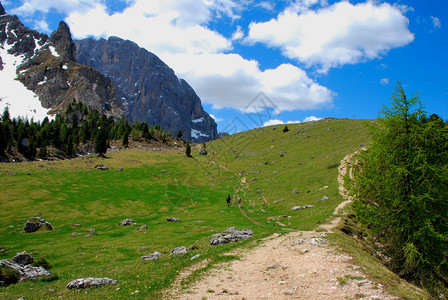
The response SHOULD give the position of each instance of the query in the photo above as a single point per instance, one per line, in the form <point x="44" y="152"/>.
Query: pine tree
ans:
<point x="101" y="142"/>
<point x="401" y="189"/>
<point x="188" y="150"/>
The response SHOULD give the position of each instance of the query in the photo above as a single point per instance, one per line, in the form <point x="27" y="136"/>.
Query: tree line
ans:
<point x="400" y="191"/>
<point x="67" y="132"/>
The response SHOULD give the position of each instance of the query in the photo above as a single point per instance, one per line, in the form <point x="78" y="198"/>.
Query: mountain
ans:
<point x="149" y="90"/>
<point x="39" y="74"/>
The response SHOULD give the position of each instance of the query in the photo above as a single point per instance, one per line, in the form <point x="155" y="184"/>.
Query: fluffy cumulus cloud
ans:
<point x="334" y="35"/>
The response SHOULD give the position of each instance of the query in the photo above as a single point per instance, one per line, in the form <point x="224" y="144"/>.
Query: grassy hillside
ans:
<point x="262" y="166"/>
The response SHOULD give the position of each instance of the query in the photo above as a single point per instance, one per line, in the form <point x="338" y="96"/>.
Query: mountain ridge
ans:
<point x="143" y="88"/>
<point x="149" y="89"/>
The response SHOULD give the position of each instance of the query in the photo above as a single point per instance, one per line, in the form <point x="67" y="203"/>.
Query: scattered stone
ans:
<point x="35" y="223"/>
<point x="162" y="171"/>
<point x="11" y="173"/>
<point x="23" y="258"/>
<point x="237" y="157"/>
<point x="173" y="219"/>
<point x="301" y="207"/>
<point x="144" y="227"/>
<point x="127" y="222"/>
<point x="101" y="167"/>
<point x="295" y="191"/>
<point x="120" y="169"/>
<point x="298" y="242"/>
<point x="306" y="250"/>
<point x="324" y="198"/>
<point x="282" y="153"/>
<point x="153" y="256"/>
<point x="231" y="235"/>
<point x="91" y="232"/>
<point x="83" y="283"/>
<point x="318" y="242"/>
<point x="196" y="256"/>
<point x="272" y="266"/>
<point x="194" y="247"/>
<point x="203" y="152"/>
<point x="288" y="292"/>
<point x="179" y="250"/>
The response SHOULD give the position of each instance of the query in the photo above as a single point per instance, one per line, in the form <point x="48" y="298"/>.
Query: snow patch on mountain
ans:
<point x="20" y="101"/>
<point x="196" y="134"/>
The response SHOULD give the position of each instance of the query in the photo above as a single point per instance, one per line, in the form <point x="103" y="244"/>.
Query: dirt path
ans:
<point x="297" y="265"/>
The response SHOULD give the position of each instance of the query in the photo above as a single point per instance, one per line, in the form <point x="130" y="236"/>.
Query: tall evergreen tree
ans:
<point x="401" y="190"/>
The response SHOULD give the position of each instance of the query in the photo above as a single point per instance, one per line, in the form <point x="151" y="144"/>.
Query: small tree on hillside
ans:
<point x="285" y="129"/>
<point x="401" y="190"/>
<point x="188" y="150"/>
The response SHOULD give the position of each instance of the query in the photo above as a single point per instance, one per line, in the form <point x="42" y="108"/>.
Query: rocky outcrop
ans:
<point x="35" y="223"/>
<point x="149" y="90"/>
<point x="231" y="235"/>
<point x="83" y="283"/>
<point x="49" y="70"/>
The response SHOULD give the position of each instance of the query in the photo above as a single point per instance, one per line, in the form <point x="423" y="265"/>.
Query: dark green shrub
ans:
<point x="41" y="262"/>
<point x="9" y="275"/>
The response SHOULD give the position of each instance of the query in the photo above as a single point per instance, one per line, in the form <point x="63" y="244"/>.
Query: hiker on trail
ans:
<point x="228" y="200"/>
<point x="239" y="201"/>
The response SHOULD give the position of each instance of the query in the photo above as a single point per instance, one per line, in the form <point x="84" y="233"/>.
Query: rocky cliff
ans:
<point x="148" y="89"/>
<point x="46" y="66"/>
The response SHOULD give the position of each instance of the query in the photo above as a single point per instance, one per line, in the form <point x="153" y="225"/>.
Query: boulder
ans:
<point x="318" y="242"/>
<point x="142" y="228"/>
<point x="301" y="207"/>
<point x="153" y="256"/>
<point x="173" y="219"/>
<point x="26" y="271"/>
<point x="23" y="258"/>
<point x="83" y="283"/>
<point x="203" y="152"/>
<point x="179" y="250"/>
<point x="127" y="222"/>
<point x="35" y="223"/>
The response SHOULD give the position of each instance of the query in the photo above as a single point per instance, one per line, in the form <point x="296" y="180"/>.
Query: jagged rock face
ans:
<point x="149" y="90"/>
<point x="48" y="68"/>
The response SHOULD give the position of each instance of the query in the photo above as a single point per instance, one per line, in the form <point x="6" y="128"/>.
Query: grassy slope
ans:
<point x="71" y="192"/>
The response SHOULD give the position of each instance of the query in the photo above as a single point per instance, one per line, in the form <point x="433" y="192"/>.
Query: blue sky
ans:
<point x="255" y="63"/>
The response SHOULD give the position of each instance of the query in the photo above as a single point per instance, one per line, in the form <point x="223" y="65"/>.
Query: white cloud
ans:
<point x="273" y="122"/>
<point x="311" y="119"/>
<point x="229" y="80"/>
<point x="266" y="5"/>
<point x="42" y="26"/>
<point x="384" y="81"/>
<point x="238" y="34"/>
<point x="217" y="119"/>
<point x="339" y="34"/>
<point x="29" y="7"/>
<point x="436" y="22"/>
<point x="280" y="122"/>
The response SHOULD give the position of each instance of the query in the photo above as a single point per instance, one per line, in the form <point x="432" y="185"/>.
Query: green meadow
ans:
<point x="271" y="171"/>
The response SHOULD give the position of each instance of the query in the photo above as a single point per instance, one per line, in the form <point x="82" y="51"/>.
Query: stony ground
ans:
<point x="297" y="265"/>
